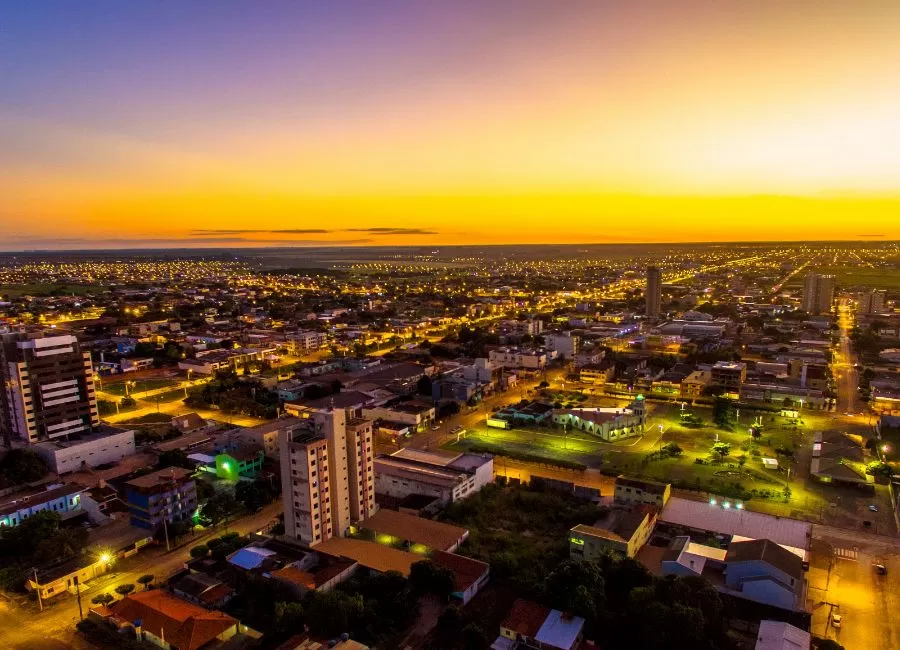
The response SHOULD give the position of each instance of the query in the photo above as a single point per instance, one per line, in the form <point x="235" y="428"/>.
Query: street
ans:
<point x="843" y="580"/>
<point x="25" y="627"/>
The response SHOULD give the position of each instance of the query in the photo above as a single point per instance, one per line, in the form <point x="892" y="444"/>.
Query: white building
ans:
<point x="446" y="477"/>
<point x="103" y="445"/>
<point x="565" y="345"/>
<point x="266" y="435"/>
<point x="327" y="475"/>
<point x="516" y="358"/>
<point x="299" y="343"/>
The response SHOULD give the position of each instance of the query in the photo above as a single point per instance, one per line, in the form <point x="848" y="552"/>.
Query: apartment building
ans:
<point x="299" y="343"/>
<point x="818" y="293"/>
<point x="168" y="495"/>
<point x="516" y="358"/>
<point x="729" y="374"/>
<point x="327" y="475"/>
<point x="49" y="386"/>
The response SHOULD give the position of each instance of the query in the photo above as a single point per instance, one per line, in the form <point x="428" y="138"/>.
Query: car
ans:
<point x="880" y="569"/>
<point x="836" y="620"/>
<point x="872" y="507"/>
<point x="435" y="428"/>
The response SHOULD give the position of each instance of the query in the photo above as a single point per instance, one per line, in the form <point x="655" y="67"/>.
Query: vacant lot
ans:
<point x="137" y="386"/>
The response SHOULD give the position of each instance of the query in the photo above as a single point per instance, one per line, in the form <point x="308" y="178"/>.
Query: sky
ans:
<point x="352" y="122"/>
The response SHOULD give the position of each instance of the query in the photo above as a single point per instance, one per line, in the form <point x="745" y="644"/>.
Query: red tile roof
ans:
<point x="182" y="624"/>
<point x="525" y="618"/>
<point x="466" y="571"/>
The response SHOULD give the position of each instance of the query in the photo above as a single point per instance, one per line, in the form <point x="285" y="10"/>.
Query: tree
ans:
<point x="146" y="580"/>
<point x="21" y="466"/>
<point x="219" y="506"/>
<point x="423" y="386"/>
<point x="723" y="412"/>
<point x="201" y="550"/>
<point x="102" y="599"/>
<point x="722" y="449"/>
<point x="331" y="613"/>
<point x="124" y="590"/>
<point x="253" y="496"/>
<point x="877" y="468"/>
<point x="426" y="577"/>
<point x="173" y="458"/>
<point x="573" y="586"/>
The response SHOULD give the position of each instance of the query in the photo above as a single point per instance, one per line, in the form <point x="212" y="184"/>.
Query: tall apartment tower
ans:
<point x="327" y="475"/>
<point x="653" y="292"/>
<point x="48" y="386"/>
<point x="818" y="293"/>
<point x="870" y="302"/>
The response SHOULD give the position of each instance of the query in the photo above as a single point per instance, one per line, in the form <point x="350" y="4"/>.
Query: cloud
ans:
<point x="20" y="243"/>
<point x="313" y="231"/>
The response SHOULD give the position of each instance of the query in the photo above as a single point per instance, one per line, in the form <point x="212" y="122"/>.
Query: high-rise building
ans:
<point x="49" y="387"/>
<point x="327" y="474"/>
<point x="653" y="292"/>
<point x="818" y="293"/>
<point x="870" y="302"/>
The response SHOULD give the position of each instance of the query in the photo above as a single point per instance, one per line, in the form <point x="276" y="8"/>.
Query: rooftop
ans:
<point x="14" y="502"/>
<point x="370" y="554"/>
<point x="560" y="630"/>
<point x="159" y="477"/>
<point x="433" y="534"/>
<point x="525" y="618"/>
<point x="701" y="515"/>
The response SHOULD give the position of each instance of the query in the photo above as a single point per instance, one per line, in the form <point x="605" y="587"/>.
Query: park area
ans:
<point x="748" y="454"/>
<point x="116" y="386"/>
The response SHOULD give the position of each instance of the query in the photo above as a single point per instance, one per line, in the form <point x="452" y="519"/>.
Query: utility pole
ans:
<point x="78" y="595"/>
<point x="37" y="589"/>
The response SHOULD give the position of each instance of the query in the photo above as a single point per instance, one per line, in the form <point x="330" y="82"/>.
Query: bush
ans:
<point x="201" y="550"/>
<point x="214" y="543"/>
<point x="124" y="590"/>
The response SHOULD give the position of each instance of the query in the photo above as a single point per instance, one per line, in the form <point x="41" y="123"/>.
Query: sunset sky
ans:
<point x="220" y="123"/>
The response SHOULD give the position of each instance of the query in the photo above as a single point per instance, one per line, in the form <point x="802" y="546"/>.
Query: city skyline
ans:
<point x="211" y="124"/>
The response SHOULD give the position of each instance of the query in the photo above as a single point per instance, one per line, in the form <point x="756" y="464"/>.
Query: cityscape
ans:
<point x="450" y="327"/>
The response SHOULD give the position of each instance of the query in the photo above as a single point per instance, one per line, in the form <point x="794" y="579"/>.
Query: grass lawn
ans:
<point x="172" y="396"/>
<point x="140" y="385"/>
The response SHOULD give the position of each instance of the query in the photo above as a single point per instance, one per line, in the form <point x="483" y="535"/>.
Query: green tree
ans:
<point x="145" y="580"/>
<point x="125" y="589"/>
<point x="253" y="496"/>
<point x="102" y="599"/>
<point x="21" y="466"/>
<point x="331" y="613"/>
<point x="721" y="449"/>
<point x="201" y="550"/>
<point x="427" y="577"/>
<point x="723" y="412"/>
<point x="217" y="508"/>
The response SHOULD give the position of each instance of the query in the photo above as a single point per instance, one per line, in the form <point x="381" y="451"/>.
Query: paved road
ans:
<point x="846" y="375"/>
<point x="842" y="580"/>
<point x="25" y="627"/>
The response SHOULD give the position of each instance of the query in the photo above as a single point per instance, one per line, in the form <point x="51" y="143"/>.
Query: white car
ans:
<point x="836" y="620"/>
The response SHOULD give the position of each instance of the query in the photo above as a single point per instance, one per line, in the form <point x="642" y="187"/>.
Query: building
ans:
<point x="607" y="423"/>
<point x="695" y="384"/>
<point x="518" y="358"/>
<point x="530" y="625"/>
<point x="444" y="476"/>
<point x="597" y="373"/>
<point x="61" y="498"/>
<point x="777" y="635"/>
<point x="754" y="569"/>
<point x="167" y="495"/>
<point x="730" y="375"/>
<point x="68" y="577"/>
<point x="640" y="491"/>
<point x="565" y="345"/>
<point x="410" y="532"/>
<point x="520" y="328"/>
<point x="327" y="475"/>
<point x="836" y="458"/>
<point x="133" y="365"/>
<point x="300" y="343"/>
<point x="870" y="302"/>
<point x="417" y="415"/>
<point x="763" y="571"/>
<point x="785" y="395"/>
<point x="49" y="385"/>
<point x="619" y="531"/>
<point x="104" y="444"/>
<point x="653" y="293"/>
<point x="266" y="435"/>
<point x="239" y="462"/>
<point x="166" y="621"/>
<point x="818" y="293"/>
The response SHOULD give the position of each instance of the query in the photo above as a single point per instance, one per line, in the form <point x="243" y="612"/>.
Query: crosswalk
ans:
<point x="851" y="554"/>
